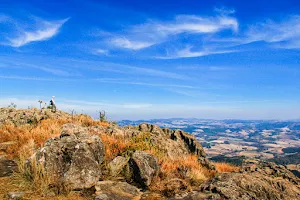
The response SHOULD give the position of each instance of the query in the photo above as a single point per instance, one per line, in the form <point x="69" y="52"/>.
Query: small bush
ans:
<point x="226" y="167"/>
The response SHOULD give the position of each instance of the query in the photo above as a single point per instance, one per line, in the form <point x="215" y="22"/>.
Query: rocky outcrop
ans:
<point x="115" y="130"/>
<point x="114" y="190"/>
<point x="295" y="169"/>
<point x="7" y="167"/>
<point x="151" y="128"/>
<point x="256" y="181"/>
<point x="28" y="116"/>
<point x="193" y="146"/>
<point x="72" y="159"/>
<point x="144" y="167"/>
<point x="174" y="143"/>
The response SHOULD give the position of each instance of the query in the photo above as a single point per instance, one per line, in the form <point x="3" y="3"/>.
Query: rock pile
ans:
<point x="256" y="181"/>
<point x="73" y="159"/>
<point x="174" y="143"/>
<point x="29" y="116"/>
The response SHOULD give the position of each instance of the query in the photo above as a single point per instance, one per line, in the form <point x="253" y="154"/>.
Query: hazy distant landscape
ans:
<point x="222" y="139"/>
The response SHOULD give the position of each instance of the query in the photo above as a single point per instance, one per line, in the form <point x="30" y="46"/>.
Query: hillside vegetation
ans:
<point x="64" y="156"/>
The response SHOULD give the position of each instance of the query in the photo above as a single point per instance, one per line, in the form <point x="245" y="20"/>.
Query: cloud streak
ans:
<point x="155" y="32"/>
<point x="188" y="53"/>
<point x="128" y="69"/>
<point x="130" y="44"/>
<point x="43" y="31"/>
<point x="277" y="34"/>
<point x="287" y="31"/>
<point x="102" y="80"/>
<point x="30" y="78"/>
<point x="11" y="63"/>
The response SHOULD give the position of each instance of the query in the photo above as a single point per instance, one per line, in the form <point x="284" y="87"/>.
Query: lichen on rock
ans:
<point x="73" y="159"/>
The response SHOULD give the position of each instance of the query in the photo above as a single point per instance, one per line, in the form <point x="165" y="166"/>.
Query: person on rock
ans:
<point x="52" y="103"/>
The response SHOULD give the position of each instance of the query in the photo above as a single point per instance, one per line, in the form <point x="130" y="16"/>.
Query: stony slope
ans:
<point x="28" y="116"/>
<point x="77" y="159"/>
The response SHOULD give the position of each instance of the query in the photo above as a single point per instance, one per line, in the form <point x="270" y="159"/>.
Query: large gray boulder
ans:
<point x="144" y="167"/>
<point x="73" y="159"/>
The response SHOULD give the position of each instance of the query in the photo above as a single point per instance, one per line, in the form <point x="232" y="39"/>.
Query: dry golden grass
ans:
<point x="40" y="132"/>
<point x="35" y="182"/>
<point x="16" y="183"/>
<point x="26" y="139"/>
<point x="35" y="174"/>
<point x="226" y="167"/>
<point x="124" y="146"/>
<point x="114" y="146"/>
<point x="187" y="169"/>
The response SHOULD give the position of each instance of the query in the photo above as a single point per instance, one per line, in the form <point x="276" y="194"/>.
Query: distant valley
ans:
<point x="235" y="140"/>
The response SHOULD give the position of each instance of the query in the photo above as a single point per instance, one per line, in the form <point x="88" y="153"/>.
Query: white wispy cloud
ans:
<point x="130" y="44"/>
<point x="102" y="80"/>
<point x="284" y="33"/>
<point x="99" y="103"/>
<point x="154" y="32"/>
<point x="43" y="31"/>
<point x="74" y="67"/>
<point x="188" y="53"/>
<point x="224" y="11"/>
<point x="158" y="73"/>
<point x="207" y="68"/>
<point x="193" y="24"/>
<point x="58" y="72"/>
<point x="30" y="78"/>
<point x="287" y="31"/>
<point x="101" y="52"/>
<point x="131" y="69"/>
<point x="143" y="83"/>
<point x="183" y="92"/>
<point x="272" y="31"/>
<point x="13" y="63"/>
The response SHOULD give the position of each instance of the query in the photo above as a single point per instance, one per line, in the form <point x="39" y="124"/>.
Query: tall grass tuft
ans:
<point x="226" y="167"/>
<point x="32" y="171"/>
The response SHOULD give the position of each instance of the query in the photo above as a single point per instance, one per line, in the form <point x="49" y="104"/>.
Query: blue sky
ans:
<point x="153" y="59"/>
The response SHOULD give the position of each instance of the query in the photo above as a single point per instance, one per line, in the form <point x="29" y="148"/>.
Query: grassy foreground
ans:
<point x="28" y="137"/>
